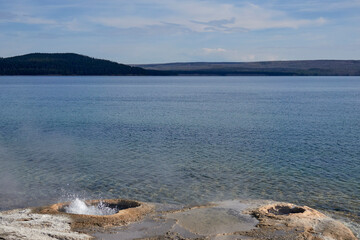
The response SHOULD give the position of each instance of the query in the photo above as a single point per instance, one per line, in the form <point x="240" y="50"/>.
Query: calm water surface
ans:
<point x="181" y="139"/>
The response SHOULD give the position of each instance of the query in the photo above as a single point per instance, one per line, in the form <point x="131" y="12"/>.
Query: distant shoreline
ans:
<point x="71" y="64"/>
<point x="179" y="75"/>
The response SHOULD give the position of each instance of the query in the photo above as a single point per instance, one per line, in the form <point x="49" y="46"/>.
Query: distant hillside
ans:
<point x="271" y="68"/>
<point x="75" y="64"/>
<point x="66" y="64"/>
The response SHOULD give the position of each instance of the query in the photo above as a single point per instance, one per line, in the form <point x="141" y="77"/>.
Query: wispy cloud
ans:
<point x="214" y="50"/>
<point x="235" y="55"/>
<point x="320" y="5"/>
<point x="200" y="16"/>
<point x="9" y="17"/>
<point x="177" y="15"/>
<point x="139" y="31"/>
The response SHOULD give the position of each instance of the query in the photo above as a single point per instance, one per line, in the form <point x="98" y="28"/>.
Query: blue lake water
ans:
<point x="181" y="139"/>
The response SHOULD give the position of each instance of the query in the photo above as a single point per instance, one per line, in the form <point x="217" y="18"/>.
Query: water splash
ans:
<point x="78" y="206"/>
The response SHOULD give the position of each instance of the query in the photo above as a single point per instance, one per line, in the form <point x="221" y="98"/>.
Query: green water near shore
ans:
<point x="181" y="139"/>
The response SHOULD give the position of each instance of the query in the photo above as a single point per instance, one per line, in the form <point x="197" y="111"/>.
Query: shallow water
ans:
<point x="181" y="139"/>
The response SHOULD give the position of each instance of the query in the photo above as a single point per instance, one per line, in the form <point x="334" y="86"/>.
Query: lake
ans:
<point x="181" y="140"/>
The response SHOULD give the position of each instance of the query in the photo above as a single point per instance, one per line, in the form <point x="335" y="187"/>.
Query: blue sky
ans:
<point x="155" y="31"/>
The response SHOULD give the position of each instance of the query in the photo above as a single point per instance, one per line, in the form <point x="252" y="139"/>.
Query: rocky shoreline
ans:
<point x="228" y="220"/>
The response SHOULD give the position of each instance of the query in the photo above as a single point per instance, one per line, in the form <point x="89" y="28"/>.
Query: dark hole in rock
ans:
<point x="122" y="205"/>
<point x="285" y="210"/>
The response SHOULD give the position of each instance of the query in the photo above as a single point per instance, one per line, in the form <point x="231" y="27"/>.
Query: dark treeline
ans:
<point x="66" y="64"/>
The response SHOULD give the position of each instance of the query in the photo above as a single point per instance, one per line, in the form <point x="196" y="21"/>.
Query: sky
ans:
<point x="160" y="31"/>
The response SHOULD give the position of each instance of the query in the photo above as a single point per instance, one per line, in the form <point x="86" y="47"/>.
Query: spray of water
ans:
<point x="78" y="206"/>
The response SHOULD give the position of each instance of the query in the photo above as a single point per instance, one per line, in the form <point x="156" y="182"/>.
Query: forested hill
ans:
<point x="66" y="64"/>
<point x="270" y="68"/>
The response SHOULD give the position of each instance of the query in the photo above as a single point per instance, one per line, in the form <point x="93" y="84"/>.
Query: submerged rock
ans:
<point x="228" y="220"/>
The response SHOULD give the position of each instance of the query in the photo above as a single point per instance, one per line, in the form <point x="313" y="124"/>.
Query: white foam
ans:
<point x="78" y="206"/>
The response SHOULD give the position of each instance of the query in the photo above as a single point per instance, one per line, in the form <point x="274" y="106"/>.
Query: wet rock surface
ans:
<point x="227" y="220"/>
<point x="52" y="222"/>
<point x="23" y="224"/>
<point x="128" y="211"/>
<point x="232" y="220"/>
<point x="300" y="222"/>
